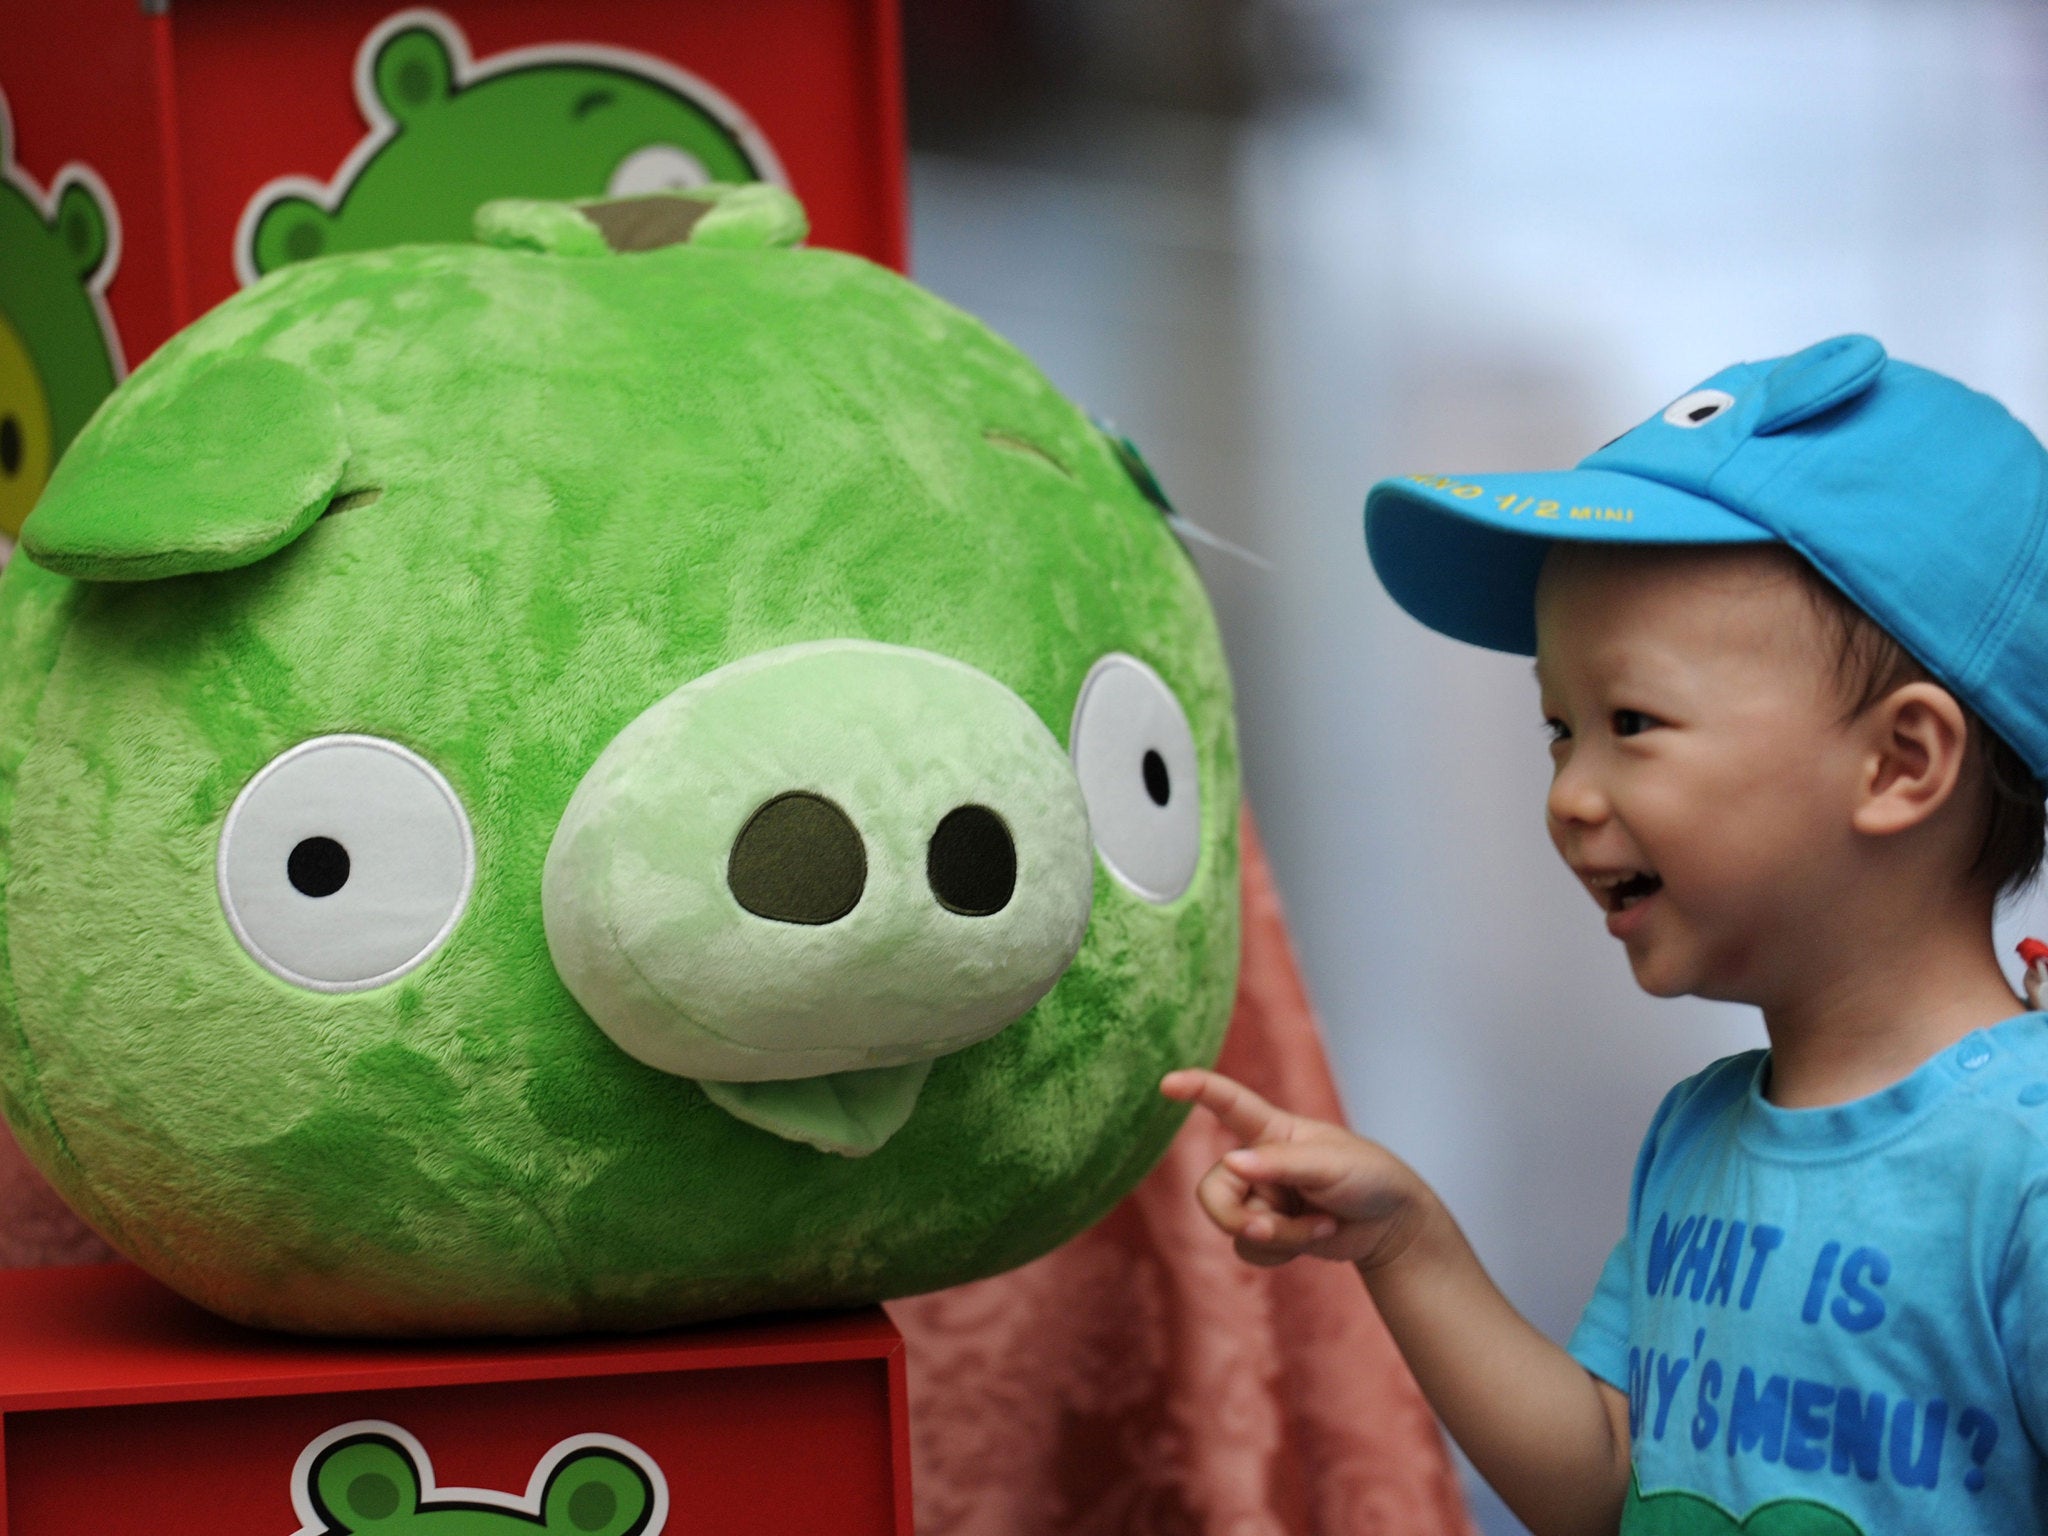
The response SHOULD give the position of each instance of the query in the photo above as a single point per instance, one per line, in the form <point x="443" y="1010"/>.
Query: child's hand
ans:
<point x="1298" y="1185"/>
<point x="1549" y="1436"/>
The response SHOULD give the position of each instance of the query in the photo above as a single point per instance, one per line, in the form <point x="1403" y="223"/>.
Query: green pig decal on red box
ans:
<point x="59" y="355"/>
<point x="621" y="773"/>
<point x="448" y="135"/>
<point x="372" y="1478"/>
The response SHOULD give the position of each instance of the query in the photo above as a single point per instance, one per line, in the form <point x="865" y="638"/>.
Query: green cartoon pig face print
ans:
<point x="1675" y="1512"/>
<point x="58" y="358"/>
<point x="372" y="1478"/>
<point x="448" y="135"/>
<point x="621" y="773"/>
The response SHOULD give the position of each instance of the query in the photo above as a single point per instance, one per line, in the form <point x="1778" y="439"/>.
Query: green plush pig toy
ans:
<point x="618" y="774"/>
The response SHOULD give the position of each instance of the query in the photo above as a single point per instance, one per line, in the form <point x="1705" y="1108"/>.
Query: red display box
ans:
<point x="126" y="1411"/>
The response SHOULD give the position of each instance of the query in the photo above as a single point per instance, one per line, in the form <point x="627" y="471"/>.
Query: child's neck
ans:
<point x="1885" y="1005"/>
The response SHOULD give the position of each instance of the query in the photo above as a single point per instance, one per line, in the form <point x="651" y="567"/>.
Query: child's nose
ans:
<point x="1576" y="798"/>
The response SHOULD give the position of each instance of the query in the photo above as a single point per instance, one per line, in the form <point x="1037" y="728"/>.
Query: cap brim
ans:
<point x="1462" y="552"/>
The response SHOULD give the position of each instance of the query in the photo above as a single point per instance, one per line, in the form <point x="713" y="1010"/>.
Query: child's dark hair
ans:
<point x="1868" y="665"/>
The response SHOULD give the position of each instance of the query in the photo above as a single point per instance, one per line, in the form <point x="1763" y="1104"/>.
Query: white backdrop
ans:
<point x="1519" y="229"/>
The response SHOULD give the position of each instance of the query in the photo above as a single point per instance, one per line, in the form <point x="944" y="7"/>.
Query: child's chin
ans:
<point x="1658" y="977"/>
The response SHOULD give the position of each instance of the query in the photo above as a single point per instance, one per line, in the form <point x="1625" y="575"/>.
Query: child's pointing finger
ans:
<point x="1244" y="1114"/>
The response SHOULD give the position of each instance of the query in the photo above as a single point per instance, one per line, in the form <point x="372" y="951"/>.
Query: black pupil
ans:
<point x="317" y="867"/>
<point x="10" y="445"/>
<point x="1702" y="412"/>
<point x="1158" y="783"/>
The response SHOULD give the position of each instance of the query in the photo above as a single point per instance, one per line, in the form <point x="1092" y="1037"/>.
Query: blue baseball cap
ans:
<point x="1925" y="502"/>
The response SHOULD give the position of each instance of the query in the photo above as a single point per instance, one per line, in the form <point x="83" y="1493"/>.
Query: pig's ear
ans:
<point x="753" y="214"/>
<point x="192" y="470"/>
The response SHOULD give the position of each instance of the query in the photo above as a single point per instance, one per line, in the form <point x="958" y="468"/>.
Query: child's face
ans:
<point x="1704" y="776"/>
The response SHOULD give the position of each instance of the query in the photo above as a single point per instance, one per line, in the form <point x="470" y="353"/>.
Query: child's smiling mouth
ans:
<point x="1622" y="889"/>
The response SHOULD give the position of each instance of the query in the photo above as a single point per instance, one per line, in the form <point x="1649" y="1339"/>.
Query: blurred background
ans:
<point x="1292" y="246"/>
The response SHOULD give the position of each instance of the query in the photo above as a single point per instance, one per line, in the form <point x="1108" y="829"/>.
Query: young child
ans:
<point x="1792" y="642"/>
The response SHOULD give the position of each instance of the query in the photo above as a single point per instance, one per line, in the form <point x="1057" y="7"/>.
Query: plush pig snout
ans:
<point x="827" y="859"/>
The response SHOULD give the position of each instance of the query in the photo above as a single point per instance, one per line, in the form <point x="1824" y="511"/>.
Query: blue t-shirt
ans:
<point x="1842" y="1307"/>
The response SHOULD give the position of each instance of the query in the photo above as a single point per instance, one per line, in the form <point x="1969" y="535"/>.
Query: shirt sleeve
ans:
<point x="1600" y="1342"/>
<point x="2021" y="1311"/>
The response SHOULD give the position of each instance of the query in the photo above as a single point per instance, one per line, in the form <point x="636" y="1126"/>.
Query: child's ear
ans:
<point x="1916" y="738"/>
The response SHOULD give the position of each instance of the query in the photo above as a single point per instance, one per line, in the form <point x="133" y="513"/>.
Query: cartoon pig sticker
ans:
<point x="448" y="135"/>
<point x="58" y="352"/>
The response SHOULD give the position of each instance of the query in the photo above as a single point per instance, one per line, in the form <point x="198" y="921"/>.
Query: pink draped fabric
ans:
<point x="36" y="1228"/>
<point x="1140" y="1381"/>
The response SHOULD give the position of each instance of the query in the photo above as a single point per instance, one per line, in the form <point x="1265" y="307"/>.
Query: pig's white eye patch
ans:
<point x="344" y="863"/>
<point x="1697" y="408"/>
<point x="1135" y="757"/>
<point x="657" y="168"/>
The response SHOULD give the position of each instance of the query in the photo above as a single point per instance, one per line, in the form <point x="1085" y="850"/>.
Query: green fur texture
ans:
<point x="596" y="479"/>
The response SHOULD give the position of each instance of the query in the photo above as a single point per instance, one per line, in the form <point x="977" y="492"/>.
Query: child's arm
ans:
<point x="1551" y="1438"/>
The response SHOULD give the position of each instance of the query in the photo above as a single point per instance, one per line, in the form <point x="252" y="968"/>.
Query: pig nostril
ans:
<point x="972" y="862"/>
<point x="798" y="860"/>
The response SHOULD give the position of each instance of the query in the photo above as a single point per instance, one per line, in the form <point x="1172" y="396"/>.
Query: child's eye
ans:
<point x="1557" y="730"/>
<point x="1631" y="722"/>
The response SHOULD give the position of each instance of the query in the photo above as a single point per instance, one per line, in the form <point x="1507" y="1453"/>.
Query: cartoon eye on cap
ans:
<point x="1698" y="408"/>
